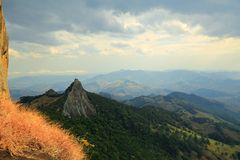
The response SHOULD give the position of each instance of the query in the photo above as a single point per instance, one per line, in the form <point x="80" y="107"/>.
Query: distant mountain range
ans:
<point x="121" y="89"/>
<point x="180" y="80"/>
<point x="126" y="84"/>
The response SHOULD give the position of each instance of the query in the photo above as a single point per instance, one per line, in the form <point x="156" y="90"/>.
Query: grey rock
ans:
<point x="77" y="102"/>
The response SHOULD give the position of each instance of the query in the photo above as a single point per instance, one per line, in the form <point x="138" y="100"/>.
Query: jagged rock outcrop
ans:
<point x="72" y="103"/>
<point x="4" y="93"/>
<point x="77" y="102"/>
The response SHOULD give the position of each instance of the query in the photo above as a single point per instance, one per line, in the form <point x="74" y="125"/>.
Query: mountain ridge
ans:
<point x="207" y="105"/>
<point x="116" y="124"/>
<point x="222" y="86"/>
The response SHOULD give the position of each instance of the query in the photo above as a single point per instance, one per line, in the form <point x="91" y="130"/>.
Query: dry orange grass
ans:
<point x="27" y="134"/>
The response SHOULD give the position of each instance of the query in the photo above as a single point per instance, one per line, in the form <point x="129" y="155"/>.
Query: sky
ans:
<point x="96" y="36"/>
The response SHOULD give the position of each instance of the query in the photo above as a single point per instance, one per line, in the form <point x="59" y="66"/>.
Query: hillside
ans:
<point x="208" y="93"/>
<point x="28" y="135"/>
<point x="119" y="131"/>
<point x="204" y="116"/>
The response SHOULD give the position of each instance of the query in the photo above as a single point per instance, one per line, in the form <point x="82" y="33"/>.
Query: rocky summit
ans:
<point x="77" y="102"/>
<point x="73" y="102"/>
<point x="51" y="93"/>
<point x="4" y="93"/>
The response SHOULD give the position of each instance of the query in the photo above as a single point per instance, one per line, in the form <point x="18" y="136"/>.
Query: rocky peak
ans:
<point x="4" y="93"/>
<point x="77" y="102"/>
<point x="76" y="84"/>
<point x="51" y="93"/>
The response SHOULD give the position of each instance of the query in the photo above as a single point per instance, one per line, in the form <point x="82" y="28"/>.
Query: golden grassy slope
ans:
<point x="25" y="133"/>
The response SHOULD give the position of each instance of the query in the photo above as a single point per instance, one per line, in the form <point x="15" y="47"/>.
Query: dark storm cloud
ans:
<point x="183" y="6"/>
<point x="36" y="19"/>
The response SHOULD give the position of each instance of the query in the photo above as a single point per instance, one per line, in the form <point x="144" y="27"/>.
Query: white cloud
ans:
<point x="15" y="54"/>
<point x="181" y="27"/>
<point x="18" y="55"/>
<point x="176" y="40"/>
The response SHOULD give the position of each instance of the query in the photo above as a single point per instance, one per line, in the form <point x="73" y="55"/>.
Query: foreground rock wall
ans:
<point x="4" y="93"/>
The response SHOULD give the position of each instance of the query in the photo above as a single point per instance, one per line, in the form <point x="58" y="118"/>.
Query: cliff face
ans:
<point x="77" y="103"/>
<point x="4" y="93"/>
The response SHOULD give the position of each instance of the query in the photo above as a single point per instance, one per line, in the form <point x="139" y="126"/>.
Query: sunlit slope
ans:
<point x="26" y="134"/>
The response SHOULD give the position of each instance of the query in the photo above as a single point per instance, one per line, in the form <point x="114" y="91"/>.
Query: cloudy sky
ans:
<point x="92" y="36"/>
